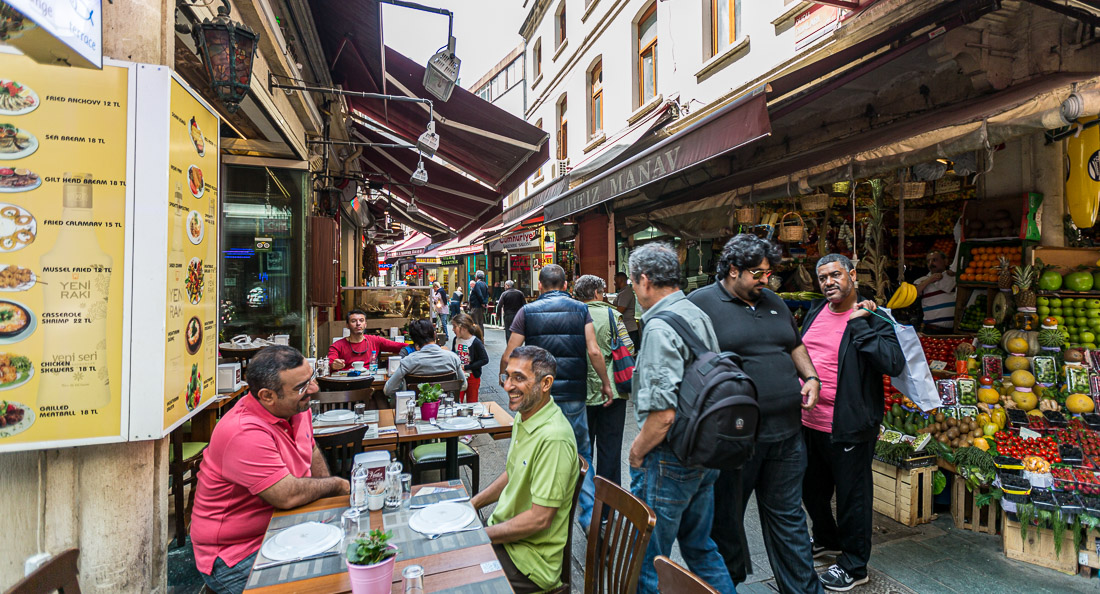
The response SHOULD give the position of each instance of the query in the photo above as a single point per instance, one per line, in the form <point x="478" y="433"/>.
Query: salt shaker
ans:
<point x="410" y="408"/>
<point x="393" y="485"/>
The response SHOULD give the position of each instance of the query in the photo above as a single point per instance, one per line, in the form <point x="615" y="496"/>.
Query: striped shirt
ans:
<point x="938" y="301"/>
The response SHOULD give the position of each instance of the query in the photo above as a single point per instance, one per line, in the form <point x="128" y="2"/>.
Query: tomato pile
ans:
<point x="940" y="349"/>
<point x="1010" y="444"/>
<point x="1076" y="479"/>
<point x="891" y="394"/>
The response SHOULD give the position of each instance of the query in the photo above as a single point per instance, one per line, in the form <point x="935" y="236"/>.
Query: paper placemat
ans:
<point x="422" y="499"/>
<point x="310" y="568"/>
<point x="493" y="586"/>
<point x="370" y="416"/>
<point x="414" y="544"/>
<point x="426" y="428"/>
<point x="489" y="423"/>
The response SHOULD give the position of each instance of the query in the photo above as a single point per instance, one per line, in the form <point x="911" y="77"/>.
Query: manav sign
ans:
<point x="737" y="124"/>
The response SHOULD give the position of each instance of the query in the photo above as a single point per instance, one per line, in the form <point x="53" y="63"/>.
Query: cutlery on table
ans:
<point x="455" y="500"/>
<point x="438" y="534"/>
<point x="327" y="519"/>
<point x="289" y="561"/>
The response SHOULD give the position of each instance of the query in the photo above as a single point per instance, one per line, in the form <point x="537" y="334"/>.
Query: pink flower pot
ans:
<point x="429" y="410"/>
<point x="372" y="579"/>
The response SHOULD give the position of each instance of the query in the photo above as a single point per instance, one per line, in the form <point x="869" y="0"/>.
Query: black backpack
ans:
<point x="717" y="415"/>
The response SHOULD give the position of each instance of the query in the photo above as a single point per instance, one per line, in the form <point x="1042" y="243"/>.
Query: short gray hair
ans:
<point x="746" y="250"/>
<point x="265" y="367"/>
<point x="830" y="258"/>
<point x="508" y="284"/>
<point x="480" y="274"/>
<point x="587" y="286"/>
<point x="658" y="262"/>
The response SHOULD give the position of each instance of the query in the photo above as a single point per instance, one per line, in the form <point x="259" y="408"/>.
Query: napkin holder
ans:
<point x="229" y="377"/>
<point x="376" y="463"/>
<point x="392" y="364"/>
<point x="401" y="400"/>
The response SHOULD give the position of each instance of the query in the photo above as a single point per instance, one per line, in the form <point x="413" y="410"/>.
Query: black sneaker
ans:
<point x="820" y="551"/>
<point x="838" y="580"/>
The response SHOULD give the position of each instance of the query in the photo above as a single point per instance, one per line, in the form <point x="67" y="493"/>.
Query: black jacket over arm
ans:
<point x="869" y="349"/>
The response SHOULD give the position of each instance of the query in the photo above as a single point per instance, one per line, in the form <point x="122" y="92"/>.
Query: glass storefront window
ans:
<point x="262" y="276"/>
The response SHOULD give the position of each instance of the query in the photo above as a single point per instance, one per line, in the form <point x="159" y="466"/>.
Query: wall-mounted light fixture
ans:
<point x="228" y="51"/>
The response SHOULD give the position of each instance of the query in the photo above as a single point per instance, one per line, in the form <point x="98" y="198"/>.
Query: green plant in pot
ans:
<point x="371" y="562"/>
<point x="428" y="400"/>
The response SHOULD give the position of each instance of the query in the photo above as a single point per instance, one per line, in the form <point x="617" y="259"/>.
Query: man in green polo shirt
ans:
<point x="530" y="524"/>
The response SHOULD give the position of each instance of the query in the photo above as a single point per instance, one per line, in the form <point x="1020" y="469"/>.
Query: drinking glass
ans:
<point x="350" y="522"/>
<point x="314" y="408"/>
<point x="360" y="410"/>
<point x="406" y="486"/>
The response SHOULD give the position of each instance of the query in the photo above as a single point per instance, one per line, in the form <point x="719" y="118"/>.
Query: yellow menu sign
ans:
<point x="63" y="155"/>
<point x="191" y="338"/>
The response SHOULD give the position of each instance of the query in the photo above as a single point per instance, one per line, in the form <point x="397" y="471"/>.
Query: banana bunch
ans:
<point x="903" y="297"/>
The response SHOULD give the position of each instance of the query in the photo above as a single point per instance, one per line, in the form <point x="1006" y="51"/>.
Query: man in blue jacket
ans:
<point x="562" y="325"/>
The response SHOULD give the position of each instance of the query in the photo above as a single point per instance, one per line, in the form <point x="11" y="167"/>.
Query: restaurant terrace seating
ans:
<point x="433" y="456"/>
<point x="343" y="399"/>
<point x="567" y="558"/>
<point x="58" y="574"/>
<point x="339" y="449"/>
<point x="184" y="458"/>
<point x="616" y="551"/>
<point x="671" y="577"/>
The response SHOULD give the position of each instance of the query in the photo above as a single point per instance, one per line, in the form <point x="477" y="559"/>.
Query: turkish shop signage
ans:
<point x="522" y="239"/>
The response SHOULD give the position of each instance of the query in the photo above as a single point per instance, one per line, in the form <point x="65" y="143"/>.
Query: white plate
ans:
<point x="202" y="188"/>
<point x="9" y="225"/>
<point x="7" y="190"/>
<point x="25" y="151"/>
<point x="459" y="423"/>
<point x="21" y="426"/>
<point x="26" y="331"/>
<point x="336" y="415"/>
<point x="22" y="378"/>
<point x="25" y="110"/>
<point x="442" y="517"/>
<point x="302" y="540"/>
<point x="195" y="239"/>
<point x="22" y="287"/>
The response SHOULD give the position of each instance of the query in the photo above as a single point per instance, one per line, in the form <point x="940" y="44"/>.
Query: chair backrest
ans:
<point x="615" y="554"/>
<point x="59" y="574"/>
<point x="411" y="381"/>
<point x="567" y="555"/>
<point x="339" y="449"/>
<point x="673" y="578"/>
<point x="344" y="399"/>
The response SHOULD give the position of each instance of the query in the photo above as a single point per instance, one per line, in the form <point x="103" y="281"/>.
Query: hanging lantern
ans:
<point x="228" y="49"/>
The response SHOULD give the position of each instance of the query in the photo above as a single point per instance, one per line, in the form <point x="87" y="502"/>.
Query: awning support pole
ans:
<point x="272" y="84"/>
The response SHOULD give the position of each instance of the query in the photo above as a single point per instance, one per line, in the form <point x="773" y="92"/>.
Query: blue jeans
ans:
<point x="577" y="413"/>
<point x="229" y="580"/>
<point x="683" y="499"/>
<point x="445" y="320"/>
<point x="775" y="472"/>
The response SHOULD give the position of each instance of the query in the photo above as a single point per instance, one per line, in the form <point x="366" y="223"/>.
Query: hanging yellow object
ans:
<point x="1083" y="183"/>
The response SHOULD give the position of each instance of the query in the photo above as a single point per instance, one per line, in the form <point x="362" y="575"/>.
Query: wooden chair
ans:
<point x="673" y="578"/>
<point x="364" y="383"/>
<point x="59" y="574"/>
<point x="343" y="399"/>
<point x="567" y="554"/>
<point x="339" y="449"/>
<point x="433" y="456"/>
<point x="412" y="381"/>
<point x="615" y="554"/>
<point x="184" y="459"/>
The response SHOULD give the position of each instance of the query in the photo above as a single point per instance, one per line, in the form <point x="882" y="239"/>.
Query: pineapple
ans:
<point x="1023" y="277"/>
<point x="1004" y="278"/>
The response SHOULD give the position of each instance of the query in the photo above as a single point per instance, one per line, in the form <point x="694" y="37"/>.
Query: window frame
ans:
<point x="731" y="11"/>
<point x="595" y="99"/>
<point x="538" y="172"/>
<point x="538" y="57"/>
<point x="563" y="128"/>
<point x="560" y="25"/>
<point x="649" y="48"/>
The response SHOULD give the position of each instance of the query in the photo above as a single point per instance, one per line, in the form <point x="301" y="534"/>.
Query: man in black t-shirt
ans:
<point x="753" y="322"/>
<point x="510" y="302"/>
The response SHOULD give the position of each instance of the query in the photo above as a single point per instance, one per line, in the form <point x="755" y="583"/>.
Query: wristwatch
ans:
<point x="813" y="377"/>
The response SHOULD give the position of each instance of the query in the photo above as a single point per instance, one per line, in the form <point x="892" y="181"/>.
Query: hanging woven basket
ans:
<point x="747" y="215"/>
<point x="815" y="202"/>
<point x="793" y="231"/>
<point x="910" y="190"/>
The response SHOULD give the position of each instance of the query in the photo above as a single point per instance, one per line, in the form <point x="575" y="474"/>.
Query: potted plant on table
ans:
<point x="371" y="562"/>
<point x="428" y="400"/>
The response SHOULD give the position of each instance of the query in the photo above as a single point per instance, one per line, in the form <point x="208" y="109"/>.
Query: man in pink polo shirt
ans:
<point x="261" y="457"/>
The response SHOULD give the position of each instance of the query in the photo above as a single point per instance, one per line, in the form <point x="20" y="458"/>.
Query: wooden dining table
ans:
<point x="502" y="429"/>
<point x="442" y="571"/>
<point x="382" y="441"/>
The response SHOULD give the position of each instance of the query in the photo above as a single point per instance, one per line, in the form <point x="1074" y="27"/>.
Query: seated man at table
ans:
<point x="358" y="346"/>
<point x="429" y="359"/>
<point x="261" y="457"/>
<point x="529" y="527"/>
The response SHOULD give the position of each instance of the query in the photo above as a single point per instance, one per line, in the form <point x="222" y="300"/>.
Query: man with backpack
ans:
<point x="758" y="326"/>
<point x="681" y="495"/>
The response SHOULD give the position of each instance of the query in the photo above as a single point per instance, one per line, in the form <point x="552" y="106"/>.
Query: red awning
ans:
<point x="483" y="140"/>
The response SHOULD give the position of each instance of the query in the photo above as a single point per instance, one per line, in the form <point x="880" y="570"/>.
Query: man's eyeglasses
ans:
<point x="516" y="378"/>
<point x="302" y="387"/>
<point x="759" y="274"/>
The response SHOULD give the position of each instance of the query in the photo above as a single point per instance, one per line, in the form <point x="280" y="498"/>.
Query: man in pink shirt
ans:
<point x="851" y="349"/>
<point x="358" y="346"/>
<point x="261" y="457"/>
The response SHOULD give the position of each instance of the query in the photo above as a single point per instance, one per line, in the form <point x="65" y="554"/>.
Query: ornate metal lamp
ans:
<point x="228" y="49"/>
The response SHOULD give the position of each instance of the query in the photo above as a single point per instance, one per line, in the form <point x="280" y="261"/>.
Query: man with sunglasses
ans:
<point x="359" y="346"/>
<point x="755" y="323"/>
<point x="261" y="457"/>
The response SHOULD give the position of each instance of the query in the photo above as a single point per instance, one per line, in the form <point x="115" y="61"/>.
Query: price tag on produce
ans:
<point x="937" y="365"/>
<point x="1029" y="434"/>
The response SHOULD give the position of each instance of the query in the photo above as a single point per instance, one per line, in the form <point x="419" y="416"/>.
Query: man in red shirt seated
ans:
<point x="261" y="457"/>
<point x="358" y="347"/>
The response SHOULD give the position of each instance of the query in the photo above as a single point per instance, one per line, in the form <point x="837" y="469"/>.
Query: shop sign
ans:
<point x="263" y="244"/>
<point x="384" y="266"/>
<point x="527" y="261"/>
<point x="449" y="261"/>
<point x="528" y="238"/>
<point x="68" y="30"/>
<point x="814" y="24"/>
<point x="405" y="253"/>
<point x="549" y="240"/>
<point x="463" y="250"/>
<point x="430" y="261"/>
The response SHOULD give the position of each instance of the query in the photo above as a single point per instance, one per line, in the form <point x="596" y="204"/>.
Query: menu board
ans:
<point x="63" y="199"/>
<point x="191" y="335"/>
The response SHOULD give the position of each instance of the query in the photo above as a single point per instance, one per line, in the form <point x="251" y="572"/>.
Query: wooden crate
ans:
<point x="1065" y="259"/>
<point x="1038" y="548"/>
<point x="1087" y="558"/>
<point x="903" y="495"/>
<point x="967" y="514"/>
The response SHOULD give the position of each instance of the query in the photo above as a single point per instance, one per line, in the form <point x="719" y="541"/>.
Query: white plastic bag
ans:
<point x="916" y="380"/>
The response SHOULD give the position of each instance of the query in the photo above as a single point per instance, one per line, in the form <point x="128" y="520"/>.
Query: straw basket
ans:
<point x="910" y="190"/>
<point x="815" y="202"/>
<point x="747" y="215"/>
<point x="792" y="231"/>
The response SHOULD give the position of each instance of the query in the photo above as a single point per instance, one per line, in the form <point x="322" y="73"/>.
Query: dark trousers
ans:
<point x="605" y="428"/>
<point x="843" y="468"/>
<point x="636" y="338"/>
<point x="774" y="473"/>
<point x="521" y="584"/>
<point x="508" y="317"/>
<point x="478" y="314"/>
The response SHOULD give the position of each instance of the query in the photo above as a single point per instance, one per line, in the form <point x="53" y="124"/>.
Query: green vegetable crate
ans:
<point x="968" y="515"/>
<point x="903" y="494"/>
